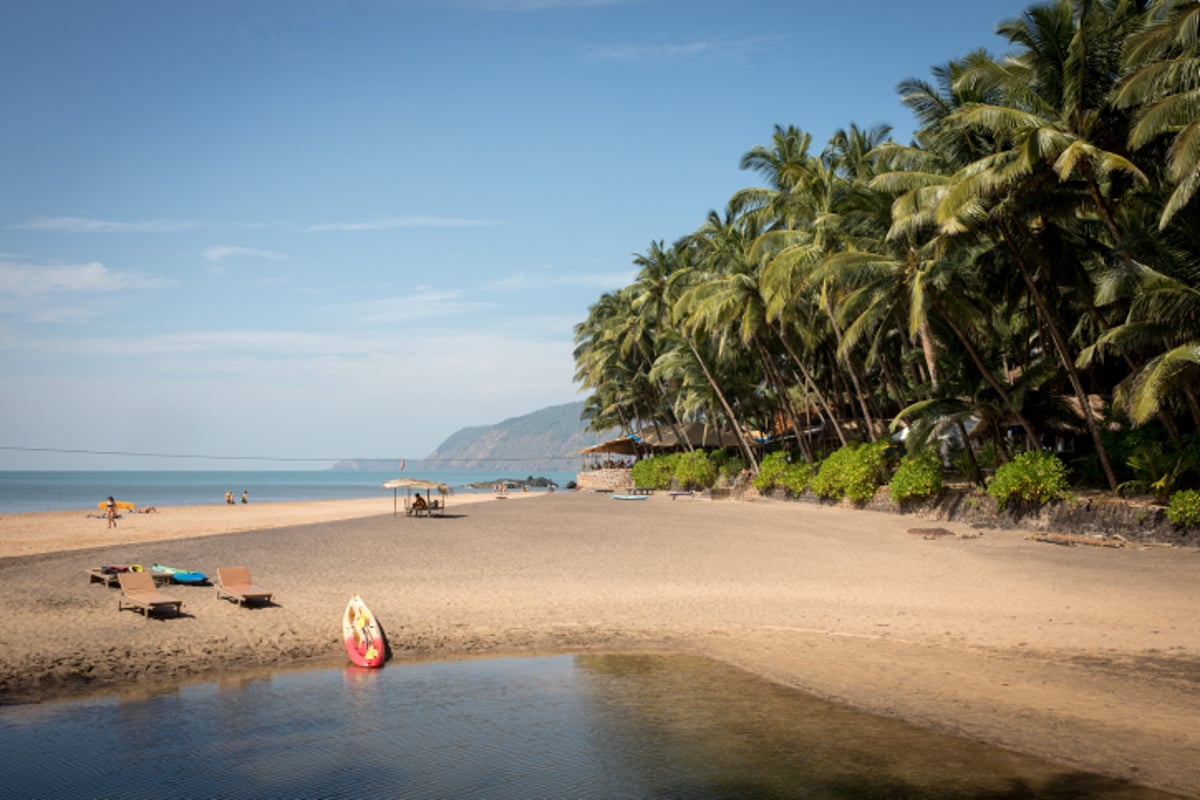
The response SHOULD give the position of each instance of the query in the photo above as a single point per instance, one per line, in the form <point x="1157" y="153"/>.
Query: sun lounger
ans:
<point x="234" y="584"/>
<point x="105" y="575"/>
<point x="139" y="591"/>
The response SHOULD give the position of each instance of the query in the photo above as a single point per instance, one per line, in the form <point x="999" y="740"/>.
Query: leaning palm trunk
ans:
<point x="976" y="472"/>
<point x="1031" y="438"/>
<point x="1060" y="347"/>
<point x="733" y="420"/>
<point x="853" y="372"/>
<point x="785" y="401"/>
<point x="811" y="385"/>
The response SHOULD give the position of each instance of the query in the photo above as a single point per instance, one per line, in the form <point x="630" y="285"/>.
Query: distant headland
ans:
<point x="542" y="441"/>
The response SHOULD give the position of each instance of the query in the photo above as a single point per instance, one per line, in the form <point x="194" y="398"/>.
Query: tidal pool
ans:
<point x="585" y="726"/>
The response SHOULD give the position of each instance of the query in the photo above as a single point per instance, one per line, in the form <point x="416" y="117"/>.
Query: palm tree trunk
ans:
<point x="976" y="472"/>
<point x="925" y="335"/>
<point x="733" y="420"/>
<point x="1060" y="346"/>
<point x="785" y="401"/>
<point x="811" y="384"/>
<point x="853" y="372"/>
<point x="1030" y="435"/>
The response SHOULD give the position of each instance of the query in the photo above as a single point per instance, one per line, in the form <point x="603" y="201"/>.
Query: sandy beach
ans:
<point x="1088" y="656"/>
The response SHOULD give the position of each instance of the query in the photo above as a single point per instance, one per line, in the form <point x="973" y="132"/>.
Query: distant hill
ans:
<point x="543" y="440"/>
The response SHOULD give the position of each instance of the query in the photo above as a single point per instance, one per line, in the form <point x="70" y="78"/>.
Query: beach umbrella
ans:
<point x="416" y="483"/>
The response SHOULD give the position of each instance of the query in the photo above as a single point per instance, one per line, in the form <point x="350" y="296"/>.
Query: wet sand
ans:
<point x="1088" y="656"/>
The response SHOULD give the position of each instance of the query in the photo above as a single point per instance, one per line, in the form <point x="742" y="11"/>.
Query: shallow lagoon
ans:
<point x="569" y="726"/>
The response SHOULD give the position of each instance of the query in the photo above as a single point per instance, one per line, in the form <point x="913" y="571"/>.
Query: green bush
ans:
<point x="1156" y="469"/>
<point x="918" y="477"/>
<point x="797" y="477"/>
<point x="774" y="471"/>
<point x="854" y="471"/>
<point x="654" y="472"/>
<point x="770" y="471"/>
<point x="695" y="470"/>
<point x="731" y="468"/>
<point x="1037" y="477"/>
<point x="1184" y="510"/>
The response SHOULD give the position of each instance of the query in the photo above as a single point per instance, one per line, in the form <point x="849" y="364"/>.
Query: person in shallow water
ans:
<point x="245" y="496"/>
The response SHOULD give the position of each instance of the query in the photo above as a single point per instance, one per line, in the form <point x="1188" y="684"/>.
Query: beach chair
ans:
<point x="105" y="575"/>
<point x="234" y="583"/>
<point x="139" y="591"/>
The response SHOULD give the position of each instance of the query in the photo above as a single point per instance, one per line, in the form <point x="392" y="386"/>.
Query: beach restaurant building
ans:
<point x="609" y="465"/>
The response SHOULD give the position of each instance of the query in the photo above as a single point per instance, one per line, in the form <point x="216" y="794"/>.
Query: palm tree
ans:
<point x="1053" y="170"/>
<point x="1164" y="61"/>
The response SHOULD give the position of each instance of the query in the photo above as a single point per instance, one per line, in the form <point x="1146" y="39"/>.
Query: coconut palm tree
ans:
<point x="1163" y="60"/>
<point x="1053" y="173"/>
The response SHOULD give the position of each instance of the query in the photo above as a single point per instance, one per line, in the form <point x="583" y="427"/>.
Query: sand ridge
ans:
<point x="1088" y="656"/>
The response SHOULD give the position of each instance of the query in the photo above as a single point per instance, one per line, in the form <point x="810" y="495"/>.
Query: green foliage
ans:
<point x="770" y="471"/>
<point x="797" y="477"/>
<point x="774" y="471"/>
<point x="918" y="477"/>
<point x="1184" y="510"/>
<point x="729" y="465"/>
<point x="1037" y="477"/>
<point x="855" y="471"/>
<point x="695" y="470"/>
<point x="1157" y="470"/>
<point x="986" y="458"/>
<point x="655" y="472"/>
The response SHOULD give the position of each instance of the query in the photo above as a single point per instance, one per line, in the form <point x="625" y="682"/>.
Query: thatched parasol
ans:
<point x="416" y="483"/>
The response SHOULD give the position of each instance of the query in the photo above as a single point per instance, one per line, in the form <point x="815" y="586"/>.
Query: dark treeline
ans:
<point x="1025" y="266"/>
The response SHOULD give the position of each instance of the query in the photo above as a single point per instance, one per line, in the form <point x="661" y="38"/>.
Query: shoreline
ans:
<point x="1089" y="657"/>
<point x="39" y="532"/>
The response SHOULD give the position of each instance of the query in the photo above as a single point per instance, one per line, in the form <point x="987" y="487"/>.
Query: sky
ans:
<point x="278" y="234"/>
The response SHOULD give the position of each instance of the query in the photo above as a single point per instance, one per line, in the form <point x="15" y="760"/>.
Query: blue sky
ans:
<point x="316" y="230"/>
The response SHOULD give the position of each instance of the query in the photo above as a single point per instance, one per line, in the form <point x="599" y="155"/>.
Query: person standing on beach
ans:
<point x="229" y="498"/>
<point x="245" y="495"/>
<point x="110" y="511"/>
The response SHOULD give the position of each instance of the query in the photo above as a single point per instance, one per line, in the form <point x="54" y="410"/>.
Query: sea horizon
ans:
<point x="25" y="491"/>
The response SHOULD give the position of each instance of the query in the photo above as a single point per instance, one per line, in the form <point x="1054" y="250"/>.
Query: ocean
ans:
<point x="36" y="490"/>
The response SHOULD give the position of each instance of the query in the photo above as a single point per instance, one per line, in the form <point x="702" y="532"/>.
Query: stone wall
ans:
<point x="1092" y="514"/>
<point x="614" y="479"/>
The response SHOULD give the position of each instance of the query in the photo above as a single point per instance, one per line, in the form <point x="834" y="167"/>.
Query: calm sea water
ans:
<point x="593" y="726"/>
<point x="70" y="490"/>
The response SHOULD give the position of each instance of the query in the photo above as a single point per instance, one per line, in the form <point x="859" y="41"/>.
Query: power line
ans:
<point x="210" y="457"/>
<point x="80" y="451"/>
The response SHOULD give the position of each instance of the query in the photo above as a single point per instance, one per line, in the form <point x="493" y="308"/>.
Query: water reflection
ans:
<point x="587" y="726"/>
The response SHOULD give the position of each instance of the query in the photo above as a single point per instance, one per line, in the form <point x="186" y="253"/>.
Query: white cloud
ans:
<point x="642" y="52"/>
<point x="424" y="303"/>
<point x="88" y="225"/>
<point x="222" y="344"/>
<point x="33" y="279"/>
<point x="717" y="48"/>
<point x="400" y="222"/>
<point x="222" y="252"/>
<point x="546" y="278"/>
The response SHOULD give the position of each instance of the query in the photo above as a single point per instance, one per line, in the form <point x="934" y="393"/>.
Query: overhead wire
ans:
<point x="211" y="457"/>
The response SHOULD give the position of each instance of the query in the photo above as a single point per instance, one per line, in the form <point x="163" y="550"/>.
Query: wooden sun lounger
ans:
<point x="234" y="584"/>
<point x="138" y="590"/>
<point x="108" y="577"/>
<point x="99" y="575"/>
